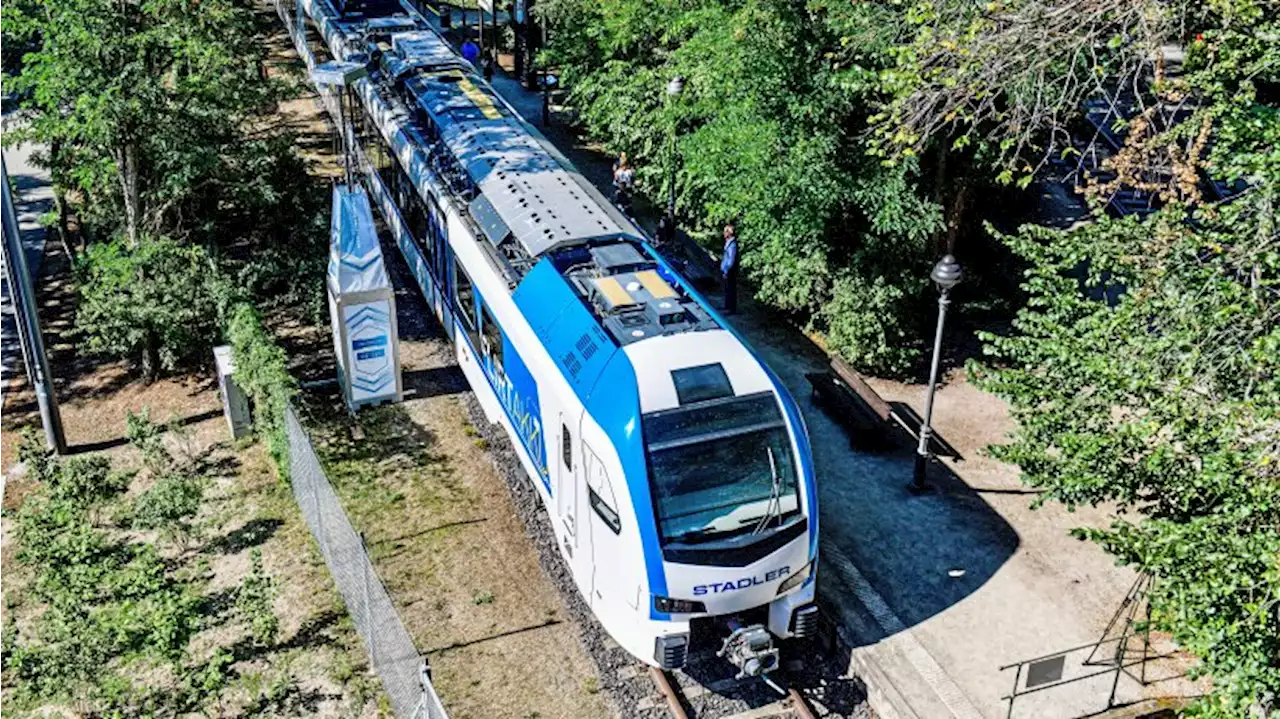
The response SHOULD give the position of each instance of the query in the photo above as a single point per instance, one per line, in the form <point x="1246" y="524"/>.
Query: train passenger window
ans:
<point x="316" y="44"/>
<point x="566" y="447"/>
<point x="464" y="299"/>
<point x="437" y="233"/>
<point x="491" y="338"/>
<point x="598" y="488"/>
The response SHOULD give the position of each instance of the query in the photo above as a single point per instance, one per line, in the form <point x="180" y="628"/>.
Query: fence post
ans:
<point x="365" y="561"/>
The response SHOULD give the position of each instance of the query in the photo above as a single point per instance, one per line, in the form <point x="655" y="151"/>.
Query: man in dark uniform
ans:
<point x="729" y="269"/>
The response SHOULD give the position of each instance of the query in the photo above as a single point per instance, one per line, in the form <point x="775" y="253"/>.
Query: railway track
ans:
<point x="678" y="699"/>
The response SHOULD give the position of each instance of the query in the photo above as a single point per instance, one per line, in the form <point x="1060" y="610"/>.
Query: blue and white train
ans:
<point x="674" y="465"/>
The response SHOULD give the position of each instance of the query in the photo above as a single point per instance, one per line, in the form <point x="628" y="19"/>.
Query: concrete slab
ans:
<point x="937" y="594"/>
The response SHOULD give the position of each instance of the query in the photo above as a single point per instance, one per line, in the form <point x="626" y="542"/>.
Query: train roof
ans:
<point x="526" y="194"/>
<point x="542" y="201"/>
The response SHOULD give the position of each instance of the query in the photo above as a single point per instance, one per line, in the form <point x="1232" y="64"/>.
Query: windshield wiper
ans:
<point x="692" y="535"/>
<point x="774" y="507"/>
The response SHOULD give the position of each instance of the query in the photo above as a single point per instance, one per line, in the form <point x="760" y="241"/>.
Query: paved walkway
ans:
<point x="939" y="592"/>
<point x="33" y="198"/>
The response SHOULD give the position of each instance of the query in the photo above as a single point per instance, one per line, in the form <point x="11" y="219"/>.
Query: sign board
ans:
<point x="368" y="337"/>
<point x="485" y="5"/>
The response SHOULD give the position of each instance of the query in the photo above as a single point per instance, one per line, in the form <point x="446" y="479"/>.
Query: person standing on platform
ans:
<point x="471" y="51"/>
<point x="623" y="178"/>
<point x="729" y="269"/>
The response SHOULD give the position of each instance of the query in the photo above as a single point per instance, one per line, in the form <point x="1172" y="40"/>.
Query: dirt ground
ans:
<point x="246" y="507"/>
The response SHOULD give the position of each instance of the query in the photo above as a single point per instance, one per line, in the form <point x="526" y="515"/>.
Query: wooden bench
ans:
<point x="871" y="422"/>
<point x="844" y="395"/>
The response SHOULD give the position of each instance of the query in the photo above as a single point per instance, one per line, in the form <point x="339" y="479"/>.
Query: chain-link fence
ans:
<point x="391" y="649"/>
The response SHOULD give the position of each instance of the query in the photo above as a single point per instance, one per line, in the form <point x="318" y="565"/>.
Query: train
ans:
<point x="674" y="466"/>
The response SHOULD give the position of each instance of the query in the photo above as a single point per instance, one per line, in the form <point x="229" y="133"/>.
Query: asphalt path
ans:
<point x="33" y="197"/>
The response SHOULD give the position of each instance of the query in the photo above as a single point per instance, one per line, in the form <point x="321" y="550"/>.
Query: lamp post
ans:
<point x="674" y="88"/>
<point x="946" y="275"/>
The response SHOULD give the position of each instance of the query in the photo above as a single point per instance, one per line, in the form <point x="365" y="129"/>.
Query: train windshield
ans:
<point x="721" y="468"/>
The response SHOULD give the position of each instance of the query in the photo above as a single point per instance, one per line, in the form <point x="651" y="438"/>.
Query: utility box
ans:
<point x="362" y="305"/>
<point x="235" y="405"/>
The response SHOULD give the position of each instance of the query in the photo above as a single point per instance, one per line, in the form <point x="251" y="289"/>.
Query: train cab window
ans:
<point x="720" y="468"/>
<point x="566" y="447"/>
<point x="491" y="338"/>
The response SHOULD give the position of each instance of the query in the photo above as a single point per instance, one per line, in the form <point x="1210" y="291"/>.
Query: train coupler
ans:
<point x="750" y="649"/>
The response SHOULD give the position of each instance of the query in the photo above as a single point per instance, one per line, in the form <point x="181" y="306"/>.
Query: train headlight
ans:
<point x="796" y="579"/>
<point x="678" y="606"/>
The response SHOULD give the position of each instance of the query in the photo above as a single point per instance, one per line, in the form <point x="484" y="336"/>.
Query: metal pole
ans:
<point x="671" y="179"/>
<point x="28" y="323"/>
<point x="546" y="101"/>
<point x="926" y="430"/>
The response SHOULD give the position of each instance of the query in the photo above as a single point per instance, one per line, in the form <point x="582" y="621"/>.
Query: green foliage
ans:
<point x="158" y="303"/>
<point x="148" y="438"/>
<point x="104" y="603"/>
<point x="254" y="601"/>
<point x="84" y="482"/>
<point x="40" y="461"/>
<point x="169" y="506"/>
<point x="1145" y="371"/>
<point x="863" y="324"/>
<point x="262" y="371"/>
<point x="152" y="106"/>
<point x="772" y="134"/>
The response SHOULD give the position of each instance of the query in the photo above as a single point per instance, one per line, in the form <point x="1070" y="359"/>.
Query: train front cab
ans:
<point x="720" y="484"/>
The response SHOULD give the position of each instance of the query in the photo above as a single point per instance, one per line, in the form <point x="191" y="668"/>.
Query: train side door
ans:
<point x="615" y="571"/>
<point x="575" y="536"/>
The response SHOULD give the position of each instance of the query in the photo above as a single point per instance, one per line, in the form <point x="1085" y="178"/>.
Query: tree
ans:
<point x="159" y="302"/>
<point x="771" y="129"/>
<point x="1145" y="369"/>
<point x="149" y="104"/>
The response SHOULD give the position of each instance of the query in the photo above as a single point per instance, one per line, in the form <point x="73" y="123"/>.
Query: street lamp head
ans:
<point x="947" y="273"/>
<point x="676" y="86"/>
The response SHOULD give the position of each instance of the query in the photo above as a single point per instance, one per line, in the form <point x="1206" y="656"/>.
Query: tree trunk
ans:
<point x="150" y="359"/>
<point x="129" y="186"/>
<point x="956" y="214"/>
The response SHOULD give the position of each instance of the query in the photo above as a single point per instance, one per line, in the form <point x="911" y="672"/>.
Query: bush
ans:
<point x="254" y="602"/>
<point x="148" y="438"/>
<point x="262" y="371"/>
<point x="169" y="506"/>
<point x="863" y="323"/>
<point x="157" y="302"/>
<point x="84" y="482"/>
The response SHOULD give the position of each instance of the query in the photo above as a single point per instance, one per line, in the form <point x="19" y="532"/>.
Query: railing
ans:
<point x="1050" y="671"/>
<point x="392" y="652"/>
